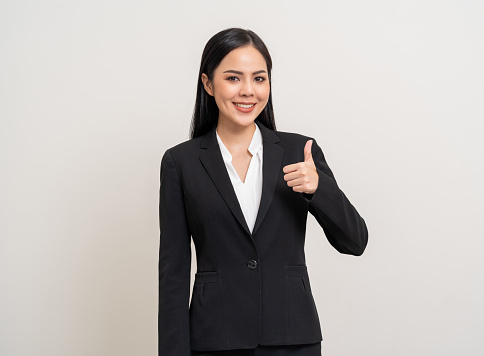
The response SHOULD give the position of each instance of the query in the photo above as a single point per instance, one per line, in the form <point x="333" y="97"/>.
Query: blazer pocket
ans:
<point x="302" y="313"/>
<point x="205" y="307"/>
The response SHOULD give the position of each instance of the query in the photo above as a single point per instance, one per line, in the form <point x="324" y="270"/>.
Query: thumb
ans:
<point x="307" y="151"/>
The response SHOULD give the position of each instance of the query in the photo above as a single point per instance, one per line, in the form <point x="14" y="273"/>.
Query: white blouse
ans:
<point x="249" y="192"/>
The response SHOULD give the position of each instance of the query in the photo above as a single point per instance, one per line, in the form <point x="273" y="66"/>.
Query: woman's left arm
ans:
<point x="344" y="227"/>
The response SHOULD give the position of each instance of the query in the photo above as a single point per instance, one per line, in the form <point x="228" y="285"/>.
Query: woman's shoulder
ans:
<point x="287" y="137"/>
<point x="190" y="148"/>
<point x="183" y="149"/>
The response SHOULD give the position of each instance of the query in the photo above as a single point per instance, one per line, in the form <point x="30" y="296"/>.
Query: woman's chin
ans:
<point x="242" y="122"/>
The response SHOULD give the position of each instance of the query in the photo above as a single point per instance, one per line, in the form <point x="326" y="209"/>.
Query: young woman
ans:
<point x="242" y="191"/>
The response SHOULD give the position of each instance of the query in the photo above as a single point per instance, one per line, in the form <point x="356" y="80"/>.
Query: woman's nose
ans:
<point x="246" y="89"/>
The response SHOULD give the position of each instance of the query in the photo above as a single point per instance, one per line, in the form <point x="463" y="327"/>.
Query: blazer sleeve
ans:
<point x="344" y="227"/>
<point x="174" y="265"/>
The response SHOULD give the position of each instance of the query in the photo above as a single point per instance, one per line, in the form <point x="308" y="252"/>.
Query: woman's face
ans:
<point x="240" y="86"/>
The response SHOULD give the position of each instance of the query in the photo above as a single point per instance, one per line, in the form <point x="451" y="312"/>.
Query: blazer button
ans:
<point x="252" y="264"/>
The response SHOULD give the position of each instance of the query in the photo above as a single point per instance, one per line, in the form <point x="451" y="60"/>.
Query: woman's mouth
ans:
<point x="244" y="107"/>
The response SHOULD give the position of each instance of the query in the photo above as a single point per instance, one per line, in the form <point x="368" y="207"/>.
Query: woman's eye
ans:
<point x="233" y="78"/>
<point x="260" y="79"/>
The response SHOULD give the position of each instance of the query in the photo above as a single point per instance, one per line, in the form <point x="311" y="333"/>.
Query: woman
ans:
<point x="242" y="191"/>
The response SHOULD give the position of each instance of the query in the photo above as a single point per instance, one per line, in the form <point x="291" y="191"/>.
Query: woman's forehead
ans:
<point x="246" y="58"/>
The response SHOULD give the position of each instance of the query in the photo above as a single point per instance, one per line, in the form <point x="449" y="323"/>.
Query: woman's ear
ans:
<point x="207" y="84"/>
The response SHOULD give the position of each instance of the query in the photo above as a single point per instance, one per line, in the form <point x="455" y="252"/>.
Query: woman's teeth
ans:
<point x="244" y="105"/>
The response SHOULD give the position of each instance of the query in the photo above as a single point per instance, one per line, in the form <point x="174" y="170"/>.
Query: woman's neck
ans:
<point x="235" y="137"/>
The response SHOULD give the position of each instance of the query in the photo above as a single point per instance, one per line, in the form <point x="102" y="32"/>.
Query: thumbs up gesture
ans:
<point x="302" y="176"/>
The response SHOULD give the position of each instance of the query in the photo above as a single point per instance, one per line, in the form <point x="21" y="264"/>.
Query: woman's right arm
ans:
<point x="174" y="265"/>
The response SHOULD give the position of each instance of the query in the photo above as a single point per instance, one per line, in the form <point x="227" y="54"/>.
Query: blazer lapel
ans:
<point x="212" y="160"/>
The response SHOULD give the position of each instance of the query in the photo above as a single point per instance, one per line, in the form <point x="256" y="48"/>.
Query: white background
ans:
<point x="93" y="92"/>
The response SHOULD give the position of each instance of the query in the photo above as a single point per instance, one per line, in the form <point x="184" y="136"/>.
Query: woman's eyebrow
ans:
<point x="240" y="73"/>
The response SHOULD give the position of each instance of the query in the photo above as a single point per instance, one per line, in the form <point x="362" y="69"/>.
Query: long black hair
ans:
<point x="205" y="114"/>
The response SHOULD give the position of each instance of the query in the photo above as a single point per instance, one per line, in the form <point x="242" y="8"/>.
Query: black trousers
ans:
<point x="260" y="350"/>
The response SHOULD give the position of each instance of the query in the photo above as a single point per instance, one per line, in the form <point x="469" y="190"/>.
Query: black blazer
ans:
<point x="250" y="288"/>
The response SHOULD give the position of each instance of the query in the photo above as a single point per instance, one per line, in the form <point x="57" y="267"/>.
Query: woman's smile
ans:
<point x="245" y="107"/>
